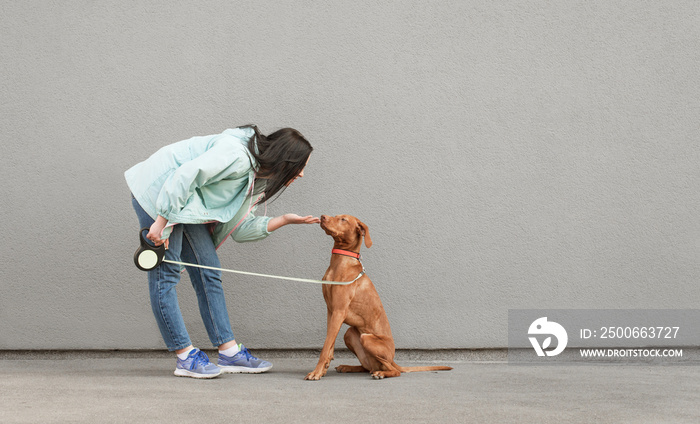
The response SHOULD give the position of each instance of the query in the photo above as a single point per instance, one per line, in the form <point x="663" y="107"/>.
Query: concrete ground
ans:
<point x="120" y="387"/>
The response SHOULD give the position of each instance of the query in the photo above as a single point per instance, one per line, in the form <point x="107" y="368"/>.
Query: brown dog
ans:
<point x="357" y="305"/>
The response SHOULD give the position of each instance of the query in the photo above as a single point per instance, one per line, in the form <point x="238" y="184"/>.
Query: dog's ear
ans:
<point x="365" y="233"/>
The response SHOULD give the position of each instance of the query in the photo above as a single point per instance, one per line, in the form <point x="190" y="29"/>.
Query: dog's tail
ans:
<point x="417" y="369"/>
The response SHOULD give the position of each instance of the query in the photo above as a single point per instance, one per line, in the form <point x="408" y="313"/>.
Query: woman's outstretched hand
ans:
<point x="291" y="218"/>
<point x="296" y="219"/>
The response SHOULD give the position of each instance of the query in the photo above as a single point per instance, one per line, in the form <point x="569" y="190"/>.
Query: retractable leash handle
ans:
<point x="148" y="257"/>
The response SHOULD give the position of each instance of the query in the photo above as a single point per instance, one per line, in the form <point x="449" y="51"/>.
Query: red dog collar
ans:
<point x="345" y="253"/>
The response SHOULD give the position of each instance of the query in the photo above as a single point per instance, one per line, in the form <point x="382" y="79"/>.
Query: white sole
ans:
<point x="184" y="373"/>
<point x="243" y="370"/>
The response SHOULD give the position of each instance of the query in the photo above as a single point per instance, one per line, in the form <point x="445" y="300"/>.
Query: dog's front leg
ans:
<point x="334" y="322"/>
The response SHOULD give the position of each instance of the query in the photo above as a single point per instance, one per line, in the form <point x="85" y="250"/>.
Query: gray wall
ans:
<point x="504" y="154"/>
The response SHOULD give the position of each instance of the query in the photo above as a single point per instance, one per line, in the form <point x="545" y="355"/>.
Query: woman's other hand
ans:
<point x="156" y="230"/>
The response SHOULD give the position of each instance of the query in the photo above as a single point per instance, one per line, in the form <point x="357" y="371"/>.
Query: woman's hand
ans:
<point x="296" y="219"/>
<point x="156" y="230"/>
<point x="291" y="218"/>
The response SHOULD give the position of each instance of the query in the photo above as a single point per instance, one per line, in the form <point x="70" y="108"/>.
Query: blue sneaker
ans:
<point x="196" y="365"/>
<point x="242" y="362"/>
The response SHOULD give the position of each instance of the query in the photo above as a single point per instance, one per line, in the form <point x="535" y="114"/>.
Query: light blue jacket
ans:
<point x="208" y="179"/>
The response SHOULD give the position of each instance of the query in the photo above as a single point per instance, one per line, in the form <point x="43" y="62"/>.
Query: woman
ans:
<point x="192" y="195"/>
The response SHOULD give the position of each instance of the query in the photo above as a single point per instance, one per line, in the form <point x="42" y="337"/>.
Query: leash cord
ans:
<point x="255" y="274"/>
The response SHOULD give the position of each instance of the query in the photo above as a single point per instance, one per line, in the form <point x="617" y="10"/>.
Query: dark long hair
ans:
<point x="281" y="156"/>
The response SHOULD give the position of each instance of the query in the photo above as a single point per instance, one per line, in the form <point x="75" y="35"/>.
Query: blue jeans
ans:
<point x="189" y="243"/>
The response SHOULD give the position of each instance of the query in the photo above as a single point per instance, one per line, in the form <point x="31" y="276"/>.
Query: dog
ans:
<point x="357" y="305"/>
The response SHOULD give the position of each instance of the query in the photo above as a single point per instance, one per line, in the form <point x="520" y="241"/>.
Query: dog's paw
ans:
<point x="350" y="368"/>
<point x="377" y="375"/>
<point x="314" y="376"/>
<point x="342" y="368"/>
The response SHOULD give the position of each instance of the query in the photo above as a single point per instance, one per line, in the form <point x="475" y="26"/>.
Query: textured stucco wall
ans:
<point x="518" y="154"/>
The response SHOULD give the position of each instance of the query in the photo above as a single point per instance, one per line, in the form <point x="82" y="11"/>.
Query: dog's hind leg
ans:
<point x="381" y="350"/>
<point x="352" y="341"/>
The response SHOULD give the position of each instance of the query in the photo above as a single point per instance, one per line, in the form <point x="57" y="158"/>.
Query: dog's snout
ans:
<point x="324" y="218"/>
